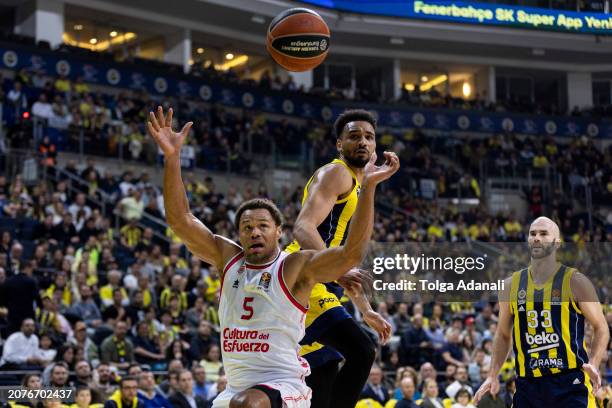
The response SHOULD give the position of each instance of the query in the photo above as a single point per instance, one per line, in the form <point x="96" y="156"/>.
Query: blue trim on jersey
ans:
<point x="323" y="322"/>
<point x="335" y="288"/>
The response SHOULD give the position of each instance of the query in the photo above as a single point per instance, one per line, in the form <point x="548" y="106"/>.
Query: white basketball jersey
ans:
<point x="261" y="325"/>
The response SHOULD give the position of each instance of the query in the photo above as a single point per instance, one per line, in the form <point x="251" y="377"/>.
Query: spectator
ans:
<point x="461" y="382"/>
<point x="42" y="108"/>
<point x="18" y="294"/>
<point x="83" y="398"/>
<point x="83" y="376"/>
<point x="430" y="395"/>
<point x="107" y="291"/>
<point x="83" y="342"/>
<point x="415" y="348"/>
<point x="20" y="351"/>
<point x="86" y="308"/>
<point x="463" y="399"/>
<point x="146" y="350"/>
<point x="201" y="342"/>
<point x="59" y="375"/>
<point x="212" y="362"/>
<point x="452" y="353"/>
<point x="104" y="385"/>
<point x="117" y="349"/>
<point x="185" y="398"/>
<point x="374" y="388"/>
<point x="218" y="387"/>
<point x="170" y="385"/>
<point x="148" y="394"/>
<point x="200" y="386"/>
<point x="126" y="395"/>
<point x="132" y="207"/>
<point x="408" y="387"/>
<point x="131" y="233"/>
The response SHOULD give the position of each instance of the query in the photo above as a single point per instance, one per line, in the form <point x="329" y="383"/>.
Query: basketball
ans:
<point x="298" y="39"/>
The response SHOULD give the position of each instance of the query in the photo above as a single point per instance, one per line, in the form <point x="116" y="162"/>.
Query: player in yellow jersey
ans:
<point x="542" y="311"/>
<point x="329" y="201"/>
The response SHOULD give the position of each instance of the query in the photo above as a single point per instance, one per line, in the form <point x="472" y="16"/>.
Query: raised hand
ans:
<point x="160" y="127"/>
<point x="375" y="174"/>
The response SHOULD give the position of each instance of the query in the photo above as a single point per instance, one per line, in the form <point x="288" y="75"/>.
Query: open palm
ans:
<point x="160" y="127"/>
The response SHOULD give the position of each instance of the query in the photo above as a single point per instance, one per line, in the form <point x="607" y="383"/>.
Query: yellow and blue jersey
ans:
<point x="325" y="308"/>
<point x="548" y="324"/>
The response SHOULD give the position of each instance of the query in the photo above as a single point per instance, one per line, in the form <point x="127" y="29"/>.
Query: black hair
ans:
<point x="258" y="203"/>
<point x="352" y="115"/>
<point x="127" y="378"/>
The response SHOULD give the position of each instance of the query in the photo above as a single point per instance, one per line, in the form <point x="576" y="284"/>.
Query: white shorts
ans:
<point x="294" y="396"/>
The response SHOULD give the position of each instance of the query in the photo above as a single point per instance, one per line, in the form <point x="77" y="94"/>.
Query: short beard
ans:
<point x="356" y="162"/>
<point x="547" y="249"/>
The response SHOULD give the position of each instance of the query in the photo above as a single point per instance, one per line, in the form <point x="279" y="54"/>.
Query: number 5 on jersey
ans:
<point x="248" y="309"/>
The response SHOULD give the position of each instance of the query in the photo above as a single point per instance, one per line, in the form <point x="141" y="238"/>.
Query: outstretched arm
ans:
<point x="331" y="263"/>
<point x="199" y="239"/>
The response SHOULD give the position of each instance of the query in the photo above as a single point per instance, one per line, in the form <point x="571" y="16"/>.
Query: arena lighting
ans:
<point x="434" y="82"/>
<point x="200" y="50"/>
<point x="25" y="115"/>
<point x="424" y="78"/>
<point x="99" y="45"/>
<point x="467" y="89"/>
<point x="78" y="27"/>
<point x="229" y="56"/>
<point x="93" y="41"/>
<point x="113" y="34"/>
<point x="239" y="60"/>
<point x="409" y="87"/>
<point x="191" y="61"/>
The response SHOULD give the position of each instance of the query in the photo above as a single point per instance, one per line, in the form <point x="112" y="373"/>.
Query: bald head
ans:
<point x="545" y="223"/>
<point x="544" y="238"/>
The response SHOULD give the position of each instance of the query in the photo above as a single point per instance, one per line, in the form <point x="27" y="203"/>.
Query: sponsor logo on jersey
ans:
<point x="542" y="341"/>
<point x="535" y="363"/>
<point x="264" y="281"/>
<point x="522" y="294"/>
<point x="242" y="268"/>
<point x="555" y="297"/>
<point x="323" y="301"/>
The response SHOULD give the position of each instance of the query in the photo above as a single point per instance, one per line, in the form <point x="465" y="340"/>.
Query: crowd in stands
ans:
<point x="125" y="314"/>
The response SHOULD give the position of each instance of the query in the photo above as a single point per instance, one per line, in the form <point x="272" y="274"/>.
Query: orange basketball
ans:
<point x="298" y="39"/>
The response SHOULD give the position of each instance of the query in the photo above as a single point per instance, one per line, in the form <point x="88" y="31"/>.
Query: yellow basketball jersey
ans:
<point x="548" y="324"/>
<point x="334" y="228"/>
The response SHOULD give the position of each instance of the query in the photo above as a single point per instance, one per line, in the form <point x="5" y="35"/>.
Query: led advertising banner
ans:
<point x="478" y="13"/>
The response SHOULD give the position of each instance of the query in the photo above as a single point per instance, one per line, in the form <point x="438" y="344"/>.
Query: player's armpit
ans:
<point x="211" y="248"/>
<point x="327" y="185"/>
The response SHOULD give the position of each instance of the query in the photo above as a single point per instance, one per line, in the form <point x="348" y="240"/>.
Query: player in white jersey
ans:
<point x="263" y="292"/>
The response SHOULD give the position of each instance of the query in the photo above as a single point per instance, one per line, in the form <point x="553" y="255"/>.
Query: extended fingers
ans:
<point x="169" y="118"/>
<point x="186" y="128"/>
<point x="152" y="130"/>
<point x="160" y="116"/>
<point x="153" y="121"/>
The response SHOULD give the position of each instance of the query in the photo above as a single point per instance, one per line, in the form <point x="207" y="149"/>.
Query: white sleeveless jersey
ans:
<point x="261" y="325"/>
